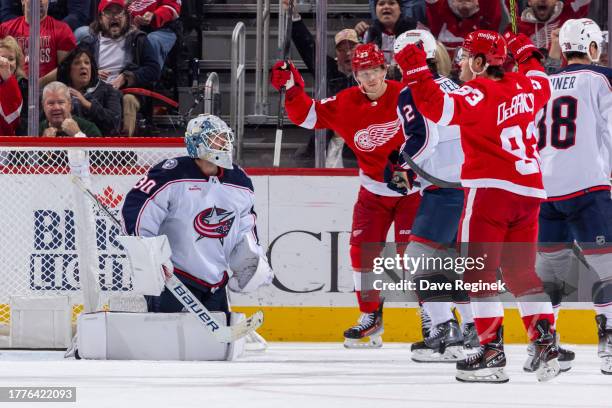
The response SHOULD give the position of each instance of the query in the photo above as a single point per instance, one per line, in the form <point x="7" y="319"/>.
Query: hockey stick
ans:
<point x="513" y="22"/>
<point x="280" y="122"/>
<point x="224" y="334"/>
<point x="426" y="176"/>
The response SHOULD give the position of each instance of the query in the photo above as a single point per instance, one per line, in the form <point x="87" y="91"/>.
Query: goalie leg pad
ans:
<point x="151" y="336"/>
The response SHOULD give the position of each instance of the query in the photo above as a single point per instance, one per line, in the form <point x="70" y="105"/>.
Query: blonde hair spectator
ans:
<point x="443" y="60"/>
<point x="10" y="44"/>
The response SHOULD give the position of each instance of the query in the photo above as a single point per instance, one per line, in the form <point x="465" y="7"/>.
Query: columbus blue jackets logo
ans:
<point x="213" y="223"/>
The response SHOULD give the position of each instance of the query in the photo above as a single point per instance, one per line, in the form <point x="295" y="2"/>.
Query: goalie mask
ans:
<point x="577" y="35"/>
<point x="209" y="138"/>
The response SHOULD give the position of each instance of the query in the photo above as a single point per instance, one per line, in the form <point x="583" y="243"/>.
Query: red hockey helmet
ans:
<point x="367" y="56"/>
<point x="489" y="43"/>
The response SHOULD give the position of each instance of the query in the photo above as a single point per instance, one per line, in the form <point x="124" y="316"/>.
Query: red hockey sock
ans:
<point x="530" y="322"/>
<point x="487" y="328"/>
<point x="368" y="301"/>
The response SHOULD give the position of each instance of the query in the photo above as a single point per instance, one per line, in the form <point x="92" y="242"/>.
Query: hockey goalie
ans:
<point x="191" y="234"/>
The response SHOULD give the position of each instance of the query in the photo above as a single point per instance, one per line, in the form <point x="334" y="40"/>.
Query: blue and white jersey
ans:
<point x="203" y="217"/>
<point x="436" y="149"/>
<point x="574" y="131"/>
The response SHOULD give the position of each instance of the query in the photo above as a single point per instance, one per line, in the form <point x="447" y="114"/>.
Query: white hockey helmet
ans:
<point x="413" y="37"/>
<point x="209" y="138"/>
<point x="577" y="35"/>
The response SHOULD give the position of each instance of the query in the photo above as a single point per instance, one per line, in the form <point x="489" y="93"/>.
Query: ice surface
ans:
<point x="295" y="375"/>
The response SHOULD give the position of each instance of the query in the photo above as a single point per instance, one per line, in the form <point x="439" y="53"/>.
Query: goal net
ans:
<point x="54" y="241"/>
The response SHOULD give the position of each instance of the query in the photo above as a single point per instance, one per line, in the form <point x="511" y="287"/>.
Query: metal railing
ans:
<point x="238" y="65"/>
<point x="261" y="57"/>
<point x="211" y="92"/>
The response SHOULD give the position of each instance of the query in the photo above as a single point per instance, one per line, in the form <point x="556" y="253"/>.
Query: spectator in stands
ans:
<point x="92" y="99"/>
<point x="75" y="13"/>
<point x="339" y="73"/>
<point x="389" y="23"/>
<point x="11" y="101"/>
<point x="126" y="57"/>
<point x="451" y="20"/>
<point x="542" y="17"/>
<point x="56" y="39"/>
<point x="59" y="120"/>
<point x="157" y="18"/>
<point x="415" y="9"/>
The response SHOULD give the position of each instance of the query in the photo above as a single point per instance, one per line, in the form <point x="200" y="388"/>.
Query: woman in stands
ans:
<point x="92" y="99"/>
<point x="11" y="99"/>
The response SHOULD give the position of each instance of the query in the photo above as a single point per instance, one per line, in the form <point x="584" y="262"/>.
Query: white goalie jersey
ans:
<point x="207" y="219"/>
<point x="575" y="130"/>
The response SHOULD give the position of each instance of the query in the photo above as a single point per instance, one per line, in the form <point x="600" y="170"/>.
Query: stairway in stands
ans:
<point x="209" y="30"/>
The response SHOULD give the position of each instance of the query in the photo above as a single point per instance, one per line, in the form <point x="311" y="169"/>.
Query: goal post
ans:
<point x="52" y="233"/>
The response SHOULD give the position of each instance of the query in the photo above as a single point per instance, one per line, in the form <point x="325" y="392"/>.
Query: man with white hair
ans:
<point x="59" y="121"/>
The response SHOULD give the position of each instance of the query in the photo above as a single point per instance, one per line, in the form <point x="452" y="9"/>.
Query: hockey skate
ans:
<point x="367" y="333"/>
<point x="486" y="365"/>
<point x="443" y="345"/>
<point x="604" y="348"/>
<point x="565" y="356"/>
<point x="470" y="337"/>
<point x="545" y="362"/>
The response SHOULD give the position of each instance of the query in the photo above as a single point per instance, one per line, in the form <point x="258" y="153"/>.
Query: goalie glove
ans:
<point x="249" y="266"/>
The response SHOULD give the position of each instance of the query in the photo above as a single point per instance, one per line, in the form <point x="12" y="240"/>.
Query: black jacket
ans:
<point x="143" y="71"/>
<point x="305" y="44"/>
<point x="106" y="109"/>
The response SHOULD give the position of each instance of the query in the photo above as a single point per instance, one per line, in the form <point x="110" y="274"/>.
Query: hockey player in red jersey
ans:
<point x="365" y="117"/>
<point x="503" y="187"/>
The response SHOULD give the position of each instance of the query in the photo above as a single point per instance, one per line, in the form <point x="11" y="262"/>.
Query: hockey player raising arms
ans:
<point x="436" y="149"/>
<point x="503" y="186"/>
<point x="574" y="140"/>
<point x="365" y="117"/>
<point x="204" y="204"/>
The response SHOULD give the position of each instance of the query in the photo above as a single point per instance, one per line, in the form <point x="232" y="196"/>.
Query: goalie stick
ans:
<point x="224" y="334"/>
<point x="280" y="123"/>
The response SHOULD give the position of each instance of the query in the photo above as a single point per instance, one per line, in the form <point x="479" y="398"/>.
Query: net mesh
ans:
<point x="40" y="241"/>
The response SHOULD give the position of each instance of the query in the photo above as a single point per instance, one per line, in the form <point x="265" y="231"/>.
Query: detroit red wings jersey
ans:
<point x="164" y="10"/>
<point x="55" y="36"/>
<point x="496" y="120"/>
<point x="11" y="104"/>
<point x="370" y="128"/>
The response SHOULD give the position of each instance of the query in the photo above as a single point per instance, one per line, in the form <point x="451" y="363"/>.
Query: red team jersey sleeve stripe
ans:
<point x="309" y="113"/>
<point x="10" y="100"/>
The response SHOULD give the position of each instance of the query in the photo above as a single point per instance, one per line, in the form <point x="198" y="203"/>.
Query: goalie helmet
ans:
<point x="489" y="43"/>
<point x="414" y="37"/>
<point x="577" y="35"/>
<point x="209" y="138"/>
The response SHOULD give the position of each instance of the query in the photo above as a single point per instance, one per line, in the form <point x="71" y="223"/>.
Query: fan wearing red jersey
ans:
<point x="365" y="117"/>
<point x="501" y="175"/>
